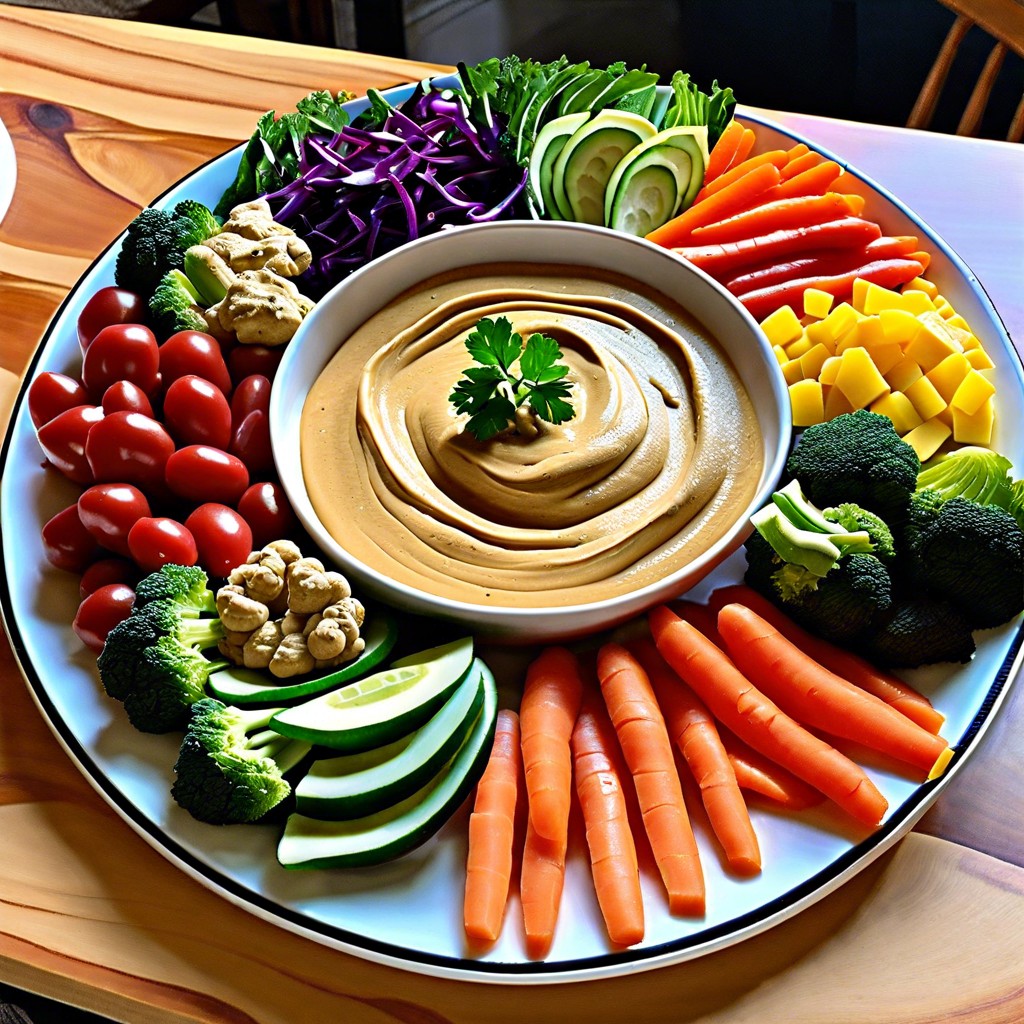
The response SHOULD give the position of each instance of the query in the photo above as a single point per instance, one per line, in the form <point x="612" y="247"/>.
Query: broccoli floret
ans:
<point x="919" y="631"/>
<point x="153" y="663"/>
<point x="185" y="585"/>
<point x="151" y="247"/>
<point x="967" y="554"/>
<point x="854" y="519"/>
<point x="856" y="457"/>
<point x="1015" y="506"/>
<point x="194" y="223"/>
<point x="174" y="306"/>
<point x="231" y="766"/>
<point x="978" y="474"/>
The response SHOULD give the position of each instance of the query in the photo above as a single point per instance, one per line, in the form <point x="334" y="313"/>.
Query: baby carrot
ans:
<point x="741" y="707"/>
<point x="644" y="741"/>
<point x="783" y="213"/>
<point x="797" y="151"/>
<point x="739" y="195"/>
<point x="893" y="690"/>
<point x="814" y="181"/>
<point x="818" y="698"/>
<point x="691" y="726"/>
<point x="491" y="829"/>
<point x="800" y="164"/>
<point x="540" y="889"/>
<point x="700" y="616"/>
<point x="757" y="774"/>
<point x="551" y="699"/>
<point x="613" y="861"/>
<point x="724" y="150"/>
<point x="743" y="148"/>
<point x="710" y="187"/>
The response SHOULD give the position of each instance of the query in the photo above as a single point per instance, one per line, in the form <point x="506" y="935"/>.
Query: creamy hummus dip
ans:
<point x="663" y="452"/>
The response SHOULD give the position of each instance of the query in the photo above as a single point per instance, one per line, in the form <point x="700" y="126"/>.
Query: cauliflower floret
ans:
<point x="262" y="575"/>
<point x="335" y="637"/>
<point x="287" y="255"/>
<point x="254" y="220"/>
<point x="239" y="612"/>
<point x="292" y="657"/>
<point x="259" y="650"/>
<point x="311" y="588"/>
<point x="262" y="308"/>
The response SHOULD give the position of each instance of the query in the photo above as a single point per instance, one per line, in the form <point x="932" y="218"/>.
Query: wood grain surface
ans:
<point x="104" y="116"/>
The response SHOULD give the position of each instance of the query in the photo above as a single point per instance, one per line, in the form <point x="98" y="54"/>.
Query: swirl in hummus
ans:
<point x="662" y="453"/>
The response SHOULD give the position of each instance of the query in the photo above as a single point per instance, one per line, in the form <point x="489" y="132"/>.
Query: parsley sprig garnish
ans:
<point x="492" y="391"/>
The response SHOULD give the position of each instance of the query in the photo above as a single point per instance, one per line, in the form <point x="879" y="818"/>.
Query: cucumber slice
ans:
<point x="550" y="141"/>
<point x="639" y="196"/>
<point x="354" y="785"/>
<point x="588" y="159"/>
<point x="245" y="686"/>
<point x="311" y="843"/>
<point x="381" y="707"/>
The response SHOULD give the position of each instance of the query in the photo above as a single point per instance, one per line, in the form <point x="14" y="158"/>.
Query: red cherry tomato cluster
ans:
<point x="171" y="445"/>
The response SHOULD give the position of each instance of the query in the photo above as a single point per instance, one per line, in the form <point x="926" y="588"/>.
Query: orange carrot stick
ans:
<point x="613" y="861"/>
<point x="643" y="738"/>
<point x="757" y="774"/>
<point x="743" y="148"/>
<point x="491" y="830"/>
<point x="540" y="889"/>
<point x="802" y="163"/>
<point x="893" y="690"/>
<point x="818" y="698"/>
<point x="701" y="617"/>
<point x="777" y="157"/>
<point x="691" y="726"/>
<point x="550" y="702"/>
<point x="797" y="151"/>
<point x="739" y="195"/>
<point x="814" y="181"/>
<point x="741" y="707"/>
<point x="724" y="150"/>
<point x="799" y="211"/>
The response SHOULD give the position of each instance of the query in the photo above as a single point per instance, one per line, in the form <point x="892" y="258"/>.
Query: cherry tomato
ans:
<point x="222" y="536"/>
<point x="63" y="440"/>
<point x="246" y="360"/>
<point x="124" y="396"/>
<point x="100" y="612"/>
<point x="50" y="394"/>
<point x="67" y="543"/>
<point x="121" y="352"/>
<point x="194" y="352"/>
<point x="157" y="541"/>
<point x="111" y="305"/>
<point x="107" y="571"/>
<point x="201" y="473"/>
<point x="109" y="511"/>
<point x="265" y="507"/>
<point x="129" y="448"/>
<point x="251" y="443"/>
<point x="196" y="412"/>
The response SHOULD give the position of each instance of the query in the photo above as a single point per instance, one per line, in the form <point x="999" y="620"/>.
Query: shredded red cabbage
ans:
<point x="368" y="190"/>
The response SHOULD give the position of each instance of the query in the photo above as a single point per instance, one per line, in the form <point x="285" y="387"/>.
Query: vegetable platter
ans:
<point x="408" y="912"/>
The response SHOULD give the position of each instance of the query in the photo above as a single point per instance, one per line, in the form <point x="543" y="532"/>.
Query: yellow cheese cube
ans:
<point x="873" y="298"/>
<point x="944" y="307"/>
<point x="820" y="333"/>
<point x="813" y="360"/>
<point x="817" y="303"/>
<point x="899" y="409"/>
<point x="977" y="427"/>
<point x="898" y="325"/>
<point x="829" y="369"/>
<point x="927" y="401"/>
<point x="948" y="375"/>
<point x="782" y="326"/>
<point x="840" y="320"/>
<point x="836" y="403"/>
<point x="885" y="357"/>
<point x="974" y="389"/>
<point x="808" y="403"/>
<point x="780" y="354"/>
<point x="858" y="378"/>
<point x="920" y="284"/>
<point x="917" y="302"/>
<point x="795" y="349"/>
<point x="927" y="438"/>
<point x="792" y="371"/>
<point x="932" y="342"/>
<point x="979" y="358"/>
<point x="865" y="333"/>
<point x="958" y="321"/>
<point x="903" y="373"/>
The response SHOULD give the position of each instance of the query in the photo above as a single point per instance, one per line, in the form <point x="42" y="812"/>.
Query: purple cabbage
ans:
<point x="370" y="188"/>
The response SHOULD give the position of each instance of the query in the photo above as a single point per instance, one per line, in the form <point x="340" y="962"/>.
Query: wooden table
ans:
<point x="104" y="115"/>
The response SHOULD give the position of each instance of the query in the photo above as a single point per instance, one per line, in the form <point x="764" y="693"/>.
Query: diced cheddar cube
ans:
<point x="920" y="284"/>
<point x="813" y="360"/>
<point x="977" y="427"/>
<point x="898" y="325"/>
<point x="819" y="333"/>
<point x="927" y="401"/>
<point x="874" y="298"/>
<point x="899" y="409"/>
<point x="840" y="320"/>
<point x="944" y="307"/>
<point x="829" y="369"/>
<point x="958" y="321"/>
<point x="970" y="341"/>
<point x="948" y="375"/>
<point x="792" y="371"/>
<point x="782" y="326"/>
<point x="858" y="378"/>
<point x="932" y="342"/>
<point x="808" y="403"/>
<point x="917" y="303"/>
<point x="780" y="354"/>
<point x="979" y="358"/>
<point x="885" y="357"/>
<point x="865" y="333"/>
<point x="795" y="349"/>
<point x="836" y="403"/>
<point x="974" y="389"/>
<point x="927" y="438"/>
<point x="817" y="303"/>
<point x="903" y="373"/>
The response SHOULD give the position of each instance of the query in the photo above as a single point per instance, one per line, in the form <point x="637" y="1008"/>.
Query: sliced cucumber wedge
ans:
<point x="550" y="141"/>
<point x="589" y="157"/>
<point x="381" y="707"/>
<point x="246" y="686"/>
<point x="656" y="180"/>
<point x="354" y="785"/>
<point x="389" y="833"/>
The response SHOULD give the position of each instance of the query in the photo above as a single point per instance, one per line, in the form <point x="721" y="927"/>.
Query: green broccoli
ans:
<point x="854" y="519"/>
<point x="231" y="766"/>
<point x="153" y="663"/>
<point x="151" y="247"/>
<point x="186" y="585"/>
<point x="967" y="554"/>
<point x="919" y="631"/>
<point x="194" y="223"/>
<point x="856" y="457"/>
<point x="175" y="306"/>
<point x="978" y="474"/>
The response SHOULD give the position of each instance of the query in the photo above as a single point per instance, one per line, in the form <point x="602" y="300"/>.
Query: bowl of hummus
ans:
<point x="536" y="430"/>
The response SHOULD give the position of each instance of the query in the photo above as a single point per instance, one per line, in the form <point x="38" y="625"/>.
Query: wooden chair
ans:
<point x="1003" y="20"/>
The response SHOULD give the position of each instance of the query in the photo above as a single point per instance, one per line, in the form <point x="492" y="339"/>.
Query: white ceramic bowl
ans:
<point x="368" y="290"/>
